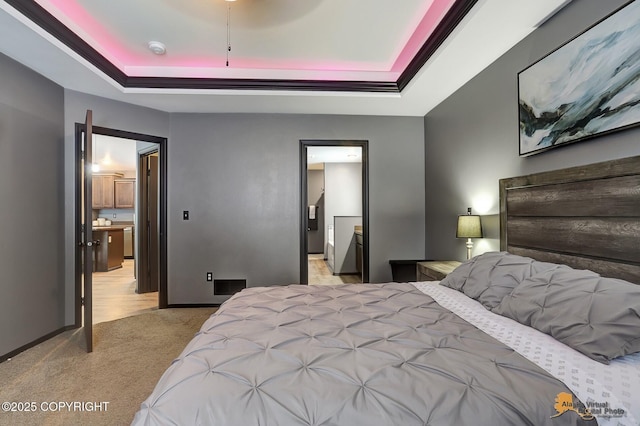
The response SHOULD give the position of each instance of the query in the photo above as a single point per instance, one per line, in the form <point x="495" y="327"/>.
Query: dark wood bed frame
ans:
<point x="587" y="217"/>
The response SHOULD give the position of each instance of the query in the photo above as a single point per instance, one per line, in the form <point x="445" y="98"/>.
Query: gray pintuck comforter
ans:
<point x="372" y="354"/>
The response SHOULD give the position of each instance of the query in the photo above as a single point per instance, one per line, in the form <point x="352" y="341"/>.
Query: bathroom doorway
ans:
<point x="334" y="213"/>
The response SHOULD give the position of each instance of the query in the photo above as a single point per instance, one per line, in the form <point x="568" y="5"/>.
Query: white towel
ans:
<point x="312" y="212"/>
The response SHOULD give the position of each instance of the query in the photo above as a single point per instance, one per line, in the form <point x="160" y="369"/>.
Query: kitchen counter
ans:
<point x="112" y="226"/>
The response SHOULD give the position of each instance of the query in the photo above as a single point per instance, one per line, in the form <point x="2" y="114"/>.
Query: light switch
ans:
<point x="185" y="215"/>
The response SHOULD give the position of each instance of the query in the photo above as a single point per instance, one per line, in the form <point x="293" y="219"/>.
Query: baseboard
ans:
<point x="15" y="352"/>
<point x="195" y="305"/>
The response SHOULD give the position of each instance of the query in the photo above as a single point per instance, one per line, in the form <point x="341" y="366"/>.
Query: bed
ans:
<point x="521" y="336"/>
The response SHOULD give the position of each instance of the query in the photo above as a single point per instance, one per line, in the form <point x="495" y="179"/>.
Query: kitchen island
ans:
<point x="109" y="254"/>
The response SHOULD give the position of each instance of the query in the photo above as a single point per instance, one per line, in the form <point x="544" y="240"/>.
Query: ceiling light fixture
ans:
<point x="157" y="47"/>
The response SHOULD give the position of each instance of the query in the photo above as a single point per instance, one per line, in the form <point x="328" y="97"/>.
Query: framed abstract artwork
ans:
<point x="587" y="87"/>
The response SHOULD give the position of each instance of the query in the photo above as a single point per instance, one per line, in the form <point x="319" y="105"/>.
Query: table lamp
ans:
<point x="469" y="227"/>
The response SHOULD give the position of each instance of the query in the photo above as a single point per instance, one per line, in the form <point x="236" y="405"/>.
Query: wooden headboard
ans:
<point x="587" y="217"/>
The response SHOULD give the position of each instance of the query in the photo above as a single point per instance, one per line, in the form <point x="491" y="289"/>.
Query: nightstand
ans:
<point x="435" y="270"/>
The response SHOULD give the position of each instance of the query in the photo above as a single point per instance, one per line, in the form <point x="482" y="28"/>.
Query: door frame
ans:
<point x="86" y="243"/>
<point x="304" y="239"/>
<point x="162" y="149"/>
<point x="142" y="248"/>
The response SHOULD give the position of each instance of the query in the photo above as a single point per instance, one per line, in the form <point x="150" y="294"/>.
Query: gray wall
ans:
<point x="31" y="182"/>
<point x="238" y="175"/>
<point x="471" y="139"/>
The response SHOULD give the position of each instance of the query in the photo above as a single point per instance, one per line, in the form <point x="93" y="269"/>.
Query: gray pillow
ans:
<point x="599" y="317"/>
<point x="489" y="277"/>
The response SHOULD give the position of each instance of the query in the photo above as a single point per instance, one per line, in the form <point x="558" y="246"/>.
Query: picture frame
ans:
<point x="587" y="87"/>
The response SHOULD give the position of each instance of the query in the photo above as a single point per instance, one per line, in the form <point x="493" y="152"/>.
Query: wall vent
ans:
<point x="228" y="287"/>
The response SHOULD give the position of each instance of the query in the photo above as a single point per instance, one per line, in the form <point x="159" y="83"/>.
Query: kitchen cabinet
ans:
<point x="124" y="193"/>
<point x="102" y="191"/>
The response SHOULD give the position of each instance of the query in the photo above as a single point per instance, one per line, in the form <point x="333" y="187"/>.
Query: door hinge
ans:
<point x="82" y="301"/>
<point x="83" y="155"/>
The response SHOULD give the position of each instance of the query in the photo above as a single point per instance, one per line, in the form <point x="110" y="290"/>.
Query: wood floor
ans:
<point x="319" y="273"/>
<point x="115" y="297"/>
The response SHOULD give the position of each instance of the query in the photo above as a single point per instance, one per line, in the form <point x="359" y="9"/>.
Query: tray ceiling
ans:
<point x="340" y="55"/>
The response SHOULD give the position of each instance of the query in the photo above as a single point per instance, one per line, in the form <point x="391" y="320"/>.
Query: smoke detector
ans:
<point x="157" y="47"/>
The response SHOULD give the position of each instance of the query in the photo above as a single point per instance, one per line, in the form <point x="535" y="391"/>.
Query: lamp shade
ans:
<point x="469" y="226"/>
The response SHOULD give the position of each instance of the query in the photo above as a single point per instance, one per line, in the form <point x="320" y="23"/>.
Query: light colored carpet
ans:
<point x="129" y="356"/>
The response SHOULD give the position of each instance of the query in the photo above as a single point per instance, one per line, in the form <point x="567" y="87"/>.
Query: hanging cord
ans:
<point x="228" y="31"/>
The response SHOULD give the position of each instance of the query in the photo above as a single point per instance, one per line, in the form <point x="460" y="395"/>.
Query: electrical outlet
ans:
<point x="209" y="276"/>
<point x="114" y="215"/>
<point x="185" y="215"/>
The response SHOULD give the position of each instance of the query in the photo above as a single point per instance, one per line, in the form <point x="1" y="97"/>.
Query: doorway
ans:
<point x="127" y="194"/>
<point x="328" y="228"/>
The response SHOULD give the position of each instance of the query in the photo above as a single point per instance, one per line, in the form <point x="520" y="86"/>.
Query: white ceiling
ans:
<point x="115" y="154"/>
<point x="271" y="39"/>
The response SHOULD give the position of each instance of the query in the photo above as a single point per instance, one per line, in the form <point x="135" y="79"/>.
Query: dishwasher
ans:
<point x="128" y="242"/>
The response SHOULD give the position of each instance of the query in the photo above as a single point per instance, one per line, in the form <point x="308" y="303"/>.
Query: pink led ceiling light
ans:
<point x="139" y="63"/>
<point x="70" y="13"/>
<point x="428" y="24"/>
